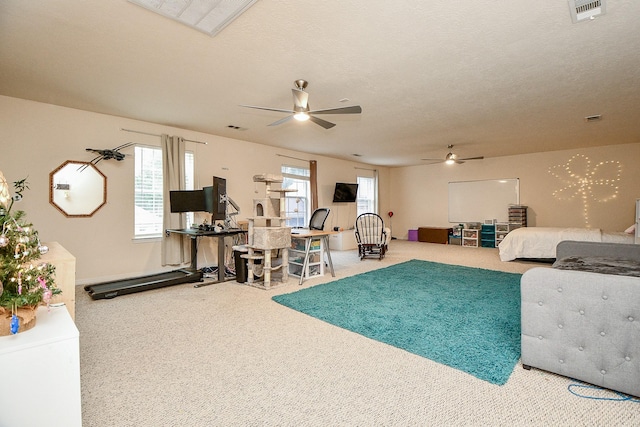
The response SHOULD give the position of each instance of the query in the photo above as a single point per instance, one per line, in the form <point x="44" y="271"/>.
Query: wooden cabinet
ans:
<point x="470" y="237"/>
<point x="434" y="234"/>
<point x="315" y="266"/>
<point x="65" y="277"/>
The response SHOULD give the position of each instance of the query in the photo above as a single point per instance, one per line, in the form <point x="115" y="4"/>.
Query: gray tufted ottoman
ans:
<point x="581" y="324"/>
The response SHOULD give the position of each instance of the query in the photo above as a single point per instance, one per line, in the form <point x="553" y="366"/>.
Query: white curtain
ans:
<point x="175" y="248"/>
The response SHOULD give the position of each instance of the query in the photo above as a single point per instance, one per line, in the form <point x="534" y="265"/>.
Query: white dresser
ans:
<point x="41" y="373"/>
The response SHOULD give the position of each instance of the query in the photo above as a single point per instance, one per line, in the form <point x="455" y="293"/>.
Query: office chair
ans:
<point x="318" y="218"/>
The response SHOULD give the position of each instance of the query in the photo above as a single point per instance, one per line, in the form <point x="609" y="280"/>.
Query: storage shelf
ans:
<point x="518" y="215"/>
<point x="488" y="236"/>
<point x="470" y="237"/>
<point x="504" y="228"/>
<point x="315" y="266"/>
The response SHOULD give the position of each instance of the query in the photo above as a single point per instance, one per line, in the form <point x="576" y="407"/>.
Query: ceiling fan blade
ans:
<point x="356" y="109"/>
<point x="433" y="160"/>
<point x="269" y="109"/>
<point x="473" y="158"/>
<point x="300" y="98"/>
<point x="325" y="124"/>
<point x="279" y="122"/>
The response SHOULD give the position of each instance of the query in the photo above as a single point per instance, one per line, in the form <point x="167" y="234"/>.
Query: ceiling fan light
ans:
<point x="301" y="117"/>
<point x="450" y="159"/>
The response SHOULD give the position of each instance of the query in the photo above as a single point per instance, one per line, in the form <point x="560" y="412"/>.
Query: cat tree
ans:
<point x="268" y="236"/>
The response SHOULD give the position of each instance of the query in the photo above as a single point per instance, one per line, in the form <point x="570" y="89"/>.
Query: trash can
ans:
<point x="241" y="263"/>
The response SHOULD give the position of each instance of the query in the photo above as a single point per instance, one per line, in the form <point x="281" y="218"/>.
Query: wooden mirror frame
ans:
<point x="66" y="187"/>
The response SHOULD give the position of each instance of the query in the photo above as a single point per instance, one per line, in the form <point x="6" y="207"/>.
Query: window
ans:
<point x="297" y="204"/>
<point x="367" y="197"/>
<point x="148" y="198"/>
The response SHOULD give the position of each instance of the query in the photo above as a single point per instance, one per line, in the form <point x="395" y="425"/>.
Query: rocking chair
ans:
<point x="371" y="236"/>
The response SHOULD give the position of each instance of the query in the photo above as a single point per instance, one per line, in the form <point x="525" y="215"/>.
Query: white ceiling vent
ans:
<point x="582" y="10"/>
<point x="208" y="16"/>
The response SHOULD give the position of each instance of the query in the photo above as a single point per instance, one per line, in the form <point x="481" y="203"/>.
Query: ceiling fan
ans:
<point x="451" y="158"/>
<point x="301" y="110"/>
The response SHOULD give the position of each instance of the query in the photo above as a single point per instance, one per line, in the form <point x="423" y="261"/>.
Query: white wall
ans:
<point x="37" y="138"/>
<point x="420" y="193"/>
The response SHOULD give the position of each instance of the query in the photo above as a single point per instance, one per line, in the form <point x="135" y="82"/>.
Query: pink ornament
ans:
<point x="46" y="296"/>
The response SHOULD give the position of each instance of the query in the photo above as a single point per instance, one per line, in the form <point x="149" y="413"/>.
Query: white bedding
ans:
<point x="540" y="242"/>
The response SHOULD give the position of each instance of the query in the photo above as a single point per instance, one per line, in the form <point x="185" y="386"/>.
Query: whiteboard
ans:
<point x="476" y="201"/>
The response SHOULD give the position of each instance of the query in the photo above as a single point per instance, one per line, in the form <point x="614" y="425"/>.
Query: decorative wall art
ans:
<point x="587" y="181"/>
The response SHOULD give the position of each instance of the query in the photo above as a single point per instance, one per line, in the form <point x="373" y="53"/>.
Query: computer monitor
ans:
<point x="187" y="201"/>
<point x="215" y="199"/>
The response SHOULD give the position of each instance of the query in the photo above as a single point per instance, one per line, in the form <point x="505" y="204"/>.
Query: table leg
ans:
<point x="221" y="267"/>
<point x="305" y="263"/>
<point x="194" y="253"/>
<point x="328" y="252"/>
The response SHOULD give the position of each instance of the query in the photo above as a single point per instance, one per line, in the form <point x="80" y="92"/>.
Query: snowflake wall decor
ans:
<point x="587" y="182"/>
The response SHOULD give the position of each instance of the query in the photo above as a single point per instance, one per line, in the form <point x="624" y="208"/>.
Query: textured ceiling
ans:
<point x="491" y="78"/>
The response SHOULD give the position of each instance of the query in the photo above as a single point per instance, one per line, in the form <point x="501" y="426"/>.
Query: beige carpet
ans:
<point x="226" y="355"/>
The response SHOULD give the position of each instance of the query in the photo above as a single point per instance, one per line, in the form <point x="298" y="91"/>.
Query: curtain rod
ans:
<point x="365" y="169"/>
<point x="294" y="158"/>
<point x="155" y="134"/>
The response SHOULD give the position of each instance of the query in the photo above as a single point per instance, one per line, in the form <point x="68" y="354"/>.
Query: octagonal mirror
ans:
<point x="77" y="189"/>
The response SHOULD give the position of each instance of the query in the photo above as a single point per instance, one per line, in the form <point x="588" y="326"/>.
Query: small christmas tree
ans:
<point x="24" y="282"/>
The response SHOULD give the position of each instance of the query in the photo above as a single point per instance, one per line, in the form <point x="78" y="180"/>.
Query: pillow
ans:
<point x="631" y="230"/>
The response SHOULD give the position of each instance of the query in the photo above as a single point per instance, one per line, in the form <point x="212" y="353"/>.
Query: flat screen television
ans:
<point x="186" y="201"/>
<point x="345" y="193"/>
<point x="214" y="199"/>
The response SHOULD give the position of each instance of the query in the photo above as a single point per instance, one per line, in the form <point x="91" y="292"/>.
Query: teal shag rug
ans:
<point x="466" y="318"/>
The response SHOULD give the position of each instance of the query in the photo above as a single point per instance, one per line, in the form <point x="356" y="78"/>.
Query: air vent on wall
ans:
<point x="594" y="118"/>
<point x="209" y="16"/>
<point x="582" y="10"/>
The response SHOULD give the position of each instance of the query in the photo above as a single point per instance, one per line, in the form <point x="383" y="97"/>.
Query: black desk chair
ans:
<point x="318" y="218"/>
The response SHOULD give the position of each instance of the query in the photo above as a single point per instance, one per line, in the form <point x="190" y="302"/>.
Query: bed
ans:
<point x="540" y="242"/>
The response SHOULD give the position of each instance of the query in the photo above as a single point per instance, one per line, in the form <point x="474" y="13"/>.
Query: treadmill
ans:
<point x="112" y="289"/>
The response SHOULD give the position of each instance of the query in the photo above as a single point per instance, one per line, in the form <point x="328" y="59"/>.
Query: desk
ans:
<point x="308" y="236"/>
<point x="194" y="234"/>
